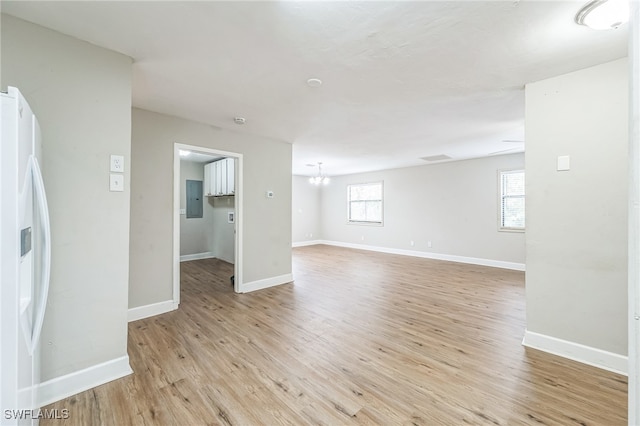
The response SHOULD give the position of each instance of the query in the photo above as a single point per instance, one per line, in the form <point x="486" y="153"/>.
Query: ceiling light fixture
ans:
<point x="603" y="14"/>
<point x="184" y="153"/>
<point x="314" y="82"/>
<point x="239" y="120"/>
<point x="319" y="179"/>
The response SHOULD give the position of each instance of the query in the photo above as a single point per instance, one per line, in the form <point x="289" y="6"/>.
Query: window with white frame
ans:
<point x="512" y="200"/>
<point x="365" y="203"/>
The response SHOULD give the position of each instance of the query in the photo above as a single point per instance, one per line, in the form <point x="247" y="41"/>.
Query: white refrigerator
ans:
<point x="25" y="260"/>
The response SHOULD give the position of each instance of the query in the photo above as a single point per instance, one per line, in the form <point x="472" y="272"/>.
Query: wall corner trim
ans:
<point x="71" y="384"/>
<point x="196" y="256"/>
<point x="595" y="357"/>
<point x="151" y="310"/>
<point x="266" y="283"/>
<point x="428" y="255"/>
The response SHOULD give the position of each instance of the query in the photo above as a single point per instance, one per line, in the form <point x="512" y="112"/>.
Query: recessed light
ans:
<point x="314" y="82"/>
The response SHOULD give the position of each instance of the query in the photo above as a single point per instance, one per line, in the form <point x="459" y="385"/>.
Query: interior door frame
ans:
<point x="634" y="216"/>
<point x="237" y="267"/>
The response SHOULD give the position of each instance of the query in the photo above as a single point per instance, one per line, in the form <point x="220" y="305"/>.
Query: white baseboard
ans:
<point x="575" y="351"/>
<point x="266" y="283"/>
<point x="63" y="387"/>
<point x="196" y="256"/>
<point x="147" y="311"/>
<point x="306" y="243"/>
<point x="226" y="259"/>
<point x="429" y="255"/>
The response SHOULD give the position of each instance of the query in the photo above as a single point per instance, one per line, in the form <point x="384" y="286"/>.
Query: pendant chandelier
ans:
<point x="319" y="179"/>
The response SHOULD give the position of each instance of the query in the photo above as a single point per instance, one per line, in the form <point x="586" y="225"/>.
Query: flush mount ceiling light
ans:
<point x="314" y="82"/>
<point x="603" y="14"/>
<point x="319" y="179"/>
<point x="184" y="153"/>
<point x="239" y="120"/>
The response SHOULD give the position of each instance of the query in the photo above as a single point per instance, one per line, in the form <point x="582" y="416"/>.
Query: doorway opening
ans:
<point x="232" y="170"/>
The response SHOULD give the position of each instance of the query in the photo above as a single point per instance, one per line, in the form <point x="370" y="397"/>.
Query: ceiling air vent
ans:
<point x="440" y="157"/>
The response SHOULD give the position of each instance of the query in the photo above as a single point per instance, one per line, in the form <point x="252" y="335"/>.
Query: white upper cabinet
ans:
<point x="208" y="180"/>
<point x="231" y="175"/>
<point x="219" y="178"/>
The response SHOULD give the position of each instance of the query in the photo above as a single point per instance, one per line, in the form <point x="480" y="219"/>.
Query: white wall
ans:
<point x="81" y="95"/>
<point x="193" y="231"/>
<point x="267" y="221"/>
<point x="223" y="237"/>
<point x="577" y="220"/>
<point x="306" y="210"/>
<point x="454" y="205"/>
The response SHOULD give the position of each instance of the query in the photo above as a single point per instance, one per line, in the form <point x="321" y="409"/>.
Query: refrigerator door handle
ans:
<point x="38" y="186"/>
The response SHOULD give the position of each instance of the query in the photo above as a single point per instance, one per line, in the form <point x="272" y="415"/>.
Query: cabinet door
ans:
<point x="221" y="177"/>
<point x="208" y="180"/>
<point x="231" y="177"/>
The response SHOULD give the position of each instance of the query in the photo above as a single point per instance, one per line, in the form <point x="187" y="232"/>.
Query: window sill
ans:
<point x="365" y="223"/>
<point x="516" y="230"/>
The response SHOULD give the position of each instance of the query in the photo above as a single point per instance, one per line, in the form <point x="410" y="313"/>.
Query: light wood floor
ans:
<point x="361" y="338"/>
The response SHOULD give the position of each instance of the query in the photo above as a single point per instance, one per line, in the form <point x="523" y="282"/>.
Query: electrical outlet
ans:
<point x="429" y="244"/>
<point x="117" y="164"/>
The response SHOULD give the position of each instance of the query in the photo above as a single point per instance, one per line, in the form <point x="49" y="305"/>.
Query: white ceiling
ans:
<point x="401" y="80"/>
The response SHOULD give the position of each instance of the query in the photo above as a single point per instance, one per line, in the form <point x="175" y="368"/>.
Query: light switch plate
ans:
<point x="564" y="163"/>
<point x="117" y="164"/>
<point x="116" y="183"/>
<point x="183" y="211"/>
